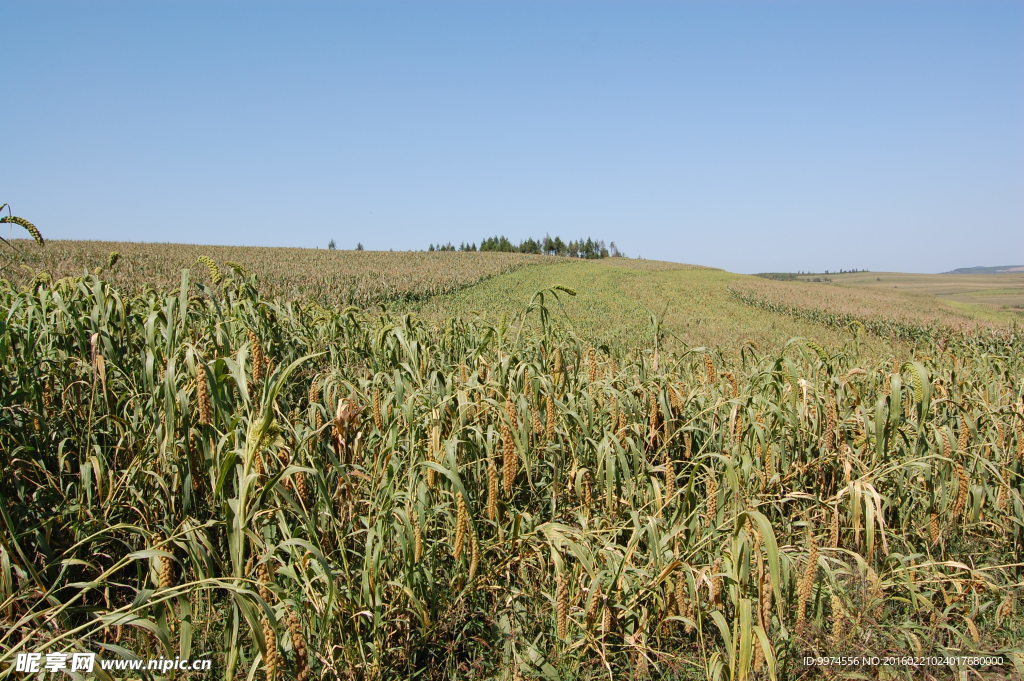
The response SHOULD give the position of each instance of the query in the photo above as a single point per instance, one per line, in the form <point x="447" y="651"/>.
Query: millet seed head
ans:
<point x="302" y="671"/>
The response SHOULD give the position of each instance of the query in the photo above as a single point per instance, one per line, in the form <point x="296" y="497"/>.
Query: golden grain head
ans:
<point x="561" y="604"/>
<point x="299" y="648"/>
<point x="205" y="408"/>
<point x="461" y="524"/>
<point x="510" y="460"/>
<point x="272" y="657"/>
<point x="165" y="572"/>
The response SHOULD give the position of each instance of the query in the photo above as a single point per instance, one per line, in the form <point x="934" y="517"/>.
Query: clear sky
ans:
<point x="754" y="136"/>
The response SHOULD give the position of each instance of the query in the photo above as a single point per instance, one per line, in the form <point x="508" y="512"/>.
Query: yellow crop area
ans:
<point x="522" y="469"/>
<point x="978" y="293"/>
<point x="325" y="276"/>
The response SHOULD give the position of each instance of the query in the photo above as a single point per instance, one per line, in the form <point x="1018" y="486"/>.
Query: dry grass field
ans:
<point x="572" y="470"/>
<point x="977" y="293"/>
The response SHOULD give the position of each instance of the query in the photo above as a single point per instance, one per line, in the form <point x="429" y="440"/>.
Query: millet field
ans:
<point x="501" y="467"/>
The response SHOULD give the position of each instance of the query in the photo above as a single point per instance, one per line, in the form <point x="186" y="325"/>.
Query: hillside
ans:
<point x="618" y="301"/>
<point x="999" y="269"/>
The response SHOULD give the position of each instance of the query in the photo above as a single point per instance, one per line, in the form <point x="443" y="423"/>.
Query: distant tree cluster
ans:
<point x="331" y="245"/>
<point x="803" y="276"/>
<point x="778" y="276"/>
<point x="588" y="248"/>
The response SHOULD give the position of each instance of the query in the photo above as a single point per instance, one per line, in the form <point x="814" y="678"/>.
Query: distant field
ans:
<point x="980" y="293"/>
<point x="617" y="298"/>
<point x="329" y="277"/>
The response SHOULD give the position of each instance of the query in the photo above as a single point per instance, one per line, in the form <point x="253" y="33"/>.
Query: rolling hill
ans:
<point x="999" y="269"/>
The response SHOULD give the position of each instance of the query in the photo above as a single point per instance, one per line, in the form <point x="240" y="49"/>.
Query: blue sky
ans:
<point x="754" y="136"/>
